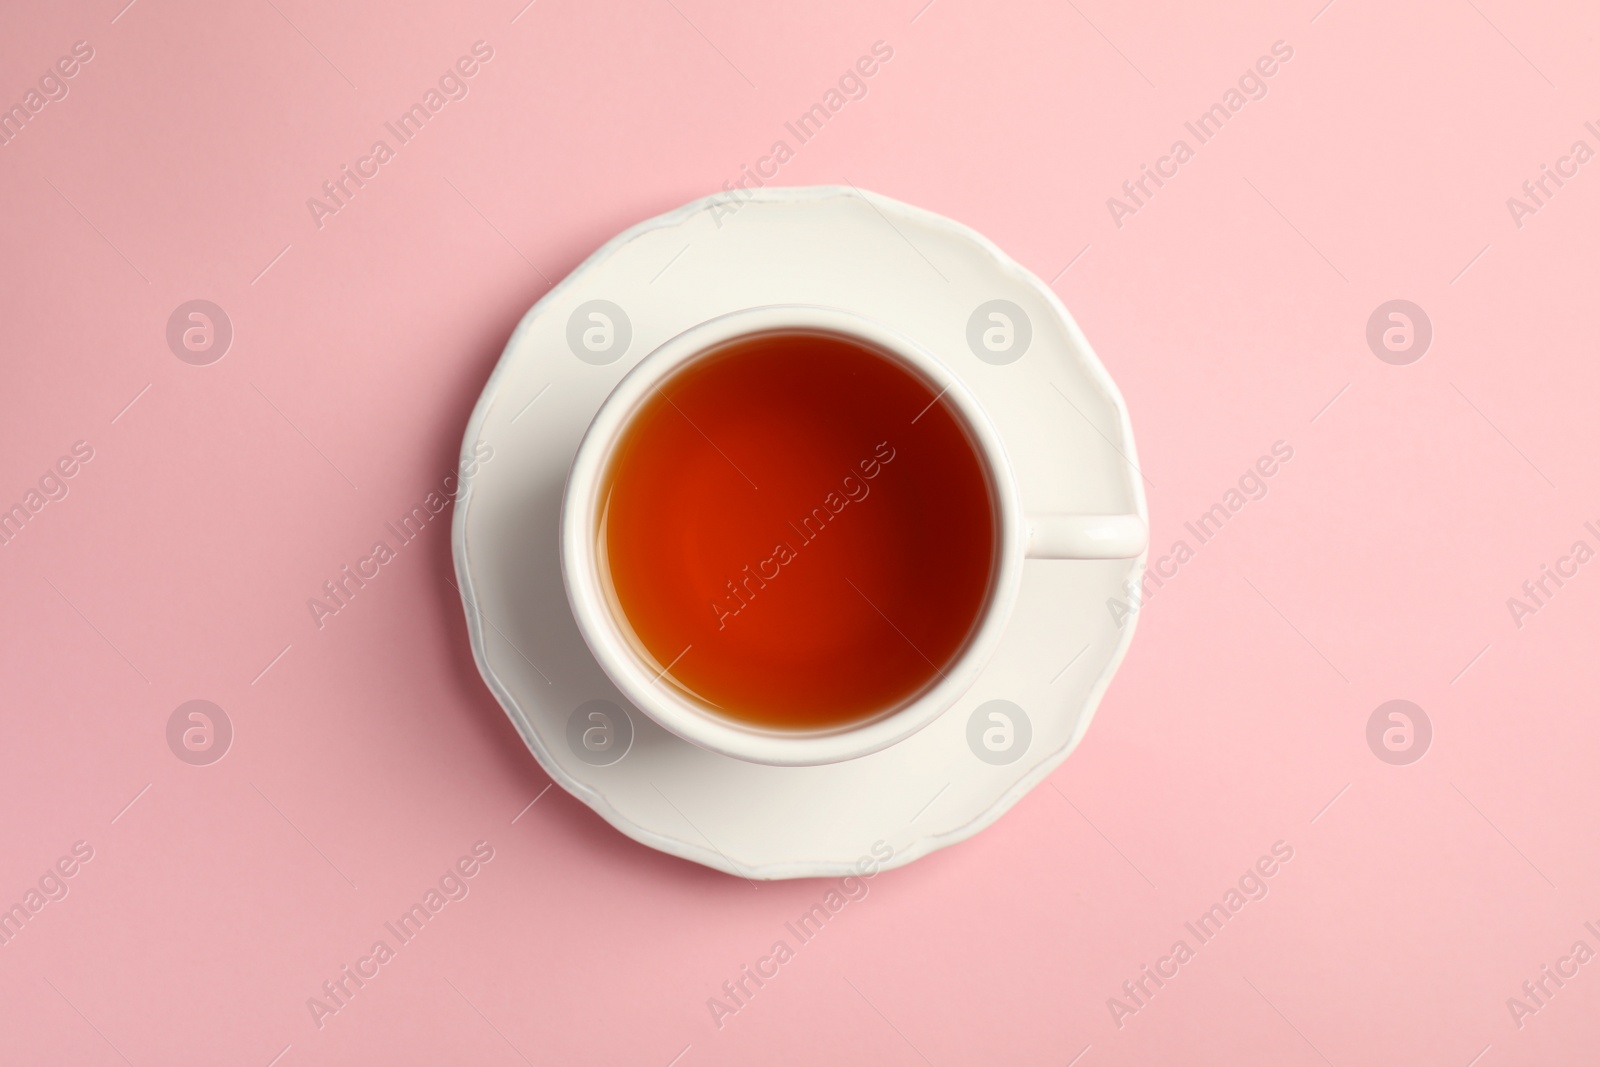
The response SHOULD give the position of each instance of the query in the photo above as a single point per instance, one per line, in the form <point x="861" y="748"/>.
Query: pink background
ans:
<point x="368" y="756"/>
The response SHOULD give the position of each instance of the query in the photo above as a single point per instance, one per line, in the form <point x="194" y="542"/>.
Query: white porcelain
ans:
<point x="1060" y="425"/>
<point x="646" y="682"/>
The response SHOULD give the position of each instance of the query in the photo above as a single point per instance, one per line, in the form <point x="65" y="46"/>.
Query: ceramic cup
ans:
<point x="1018" y="536"/>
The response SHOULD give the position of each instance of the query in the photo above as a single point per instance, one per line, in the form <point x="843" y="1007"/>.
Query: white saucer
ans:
<point x="1064" y="427"/>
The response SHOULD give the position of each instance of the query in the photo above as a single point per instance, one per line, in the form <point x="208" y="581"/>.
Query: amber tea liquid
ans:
<point x="798" y="532"/>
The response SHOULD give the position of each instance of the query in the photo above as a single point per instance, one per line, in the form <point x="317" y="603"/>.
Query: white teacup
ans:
<point x="641" y="679"/>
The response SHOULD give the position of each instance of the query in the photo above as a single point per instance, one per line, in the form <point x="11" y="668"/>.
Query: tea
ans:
<point x="798" y="532"/>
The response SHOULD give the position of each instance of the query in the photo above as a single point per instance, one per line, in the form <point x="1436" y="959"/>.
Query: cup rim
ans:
<point x="615" y="649"/>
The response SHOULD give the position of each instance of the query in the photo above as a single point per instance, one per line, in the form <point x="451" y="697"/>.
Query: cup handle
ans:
<point x="1086" y="536"/>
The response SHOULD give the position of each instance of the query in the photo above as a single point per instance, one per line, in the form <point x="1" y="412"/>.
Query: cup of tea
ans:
<point x="791" y="535"/>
